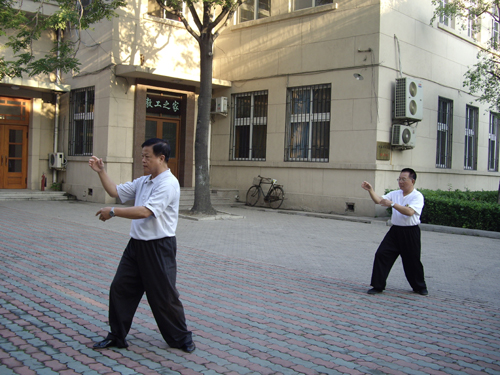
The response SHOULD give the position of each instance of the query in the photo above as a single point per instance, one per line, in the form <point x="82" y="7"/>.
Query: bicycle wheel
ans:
<point x="276" y="197"/>
<point x="253" y="195"/>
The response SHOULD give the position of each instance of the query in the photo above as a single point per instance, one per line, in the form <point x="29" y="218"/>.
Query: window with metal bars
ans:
<point x="493" y="142"/>
<point x="249" y="128"/>
<point x="308" y="123"/>
<point x="81" y="121"/>
<point x="444" y="133"/>
<point x="471" y="127"/>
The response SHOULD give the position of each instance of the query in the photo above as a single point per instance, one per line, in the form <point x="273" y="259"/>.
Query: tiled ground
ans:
<point x="248" y="317"/>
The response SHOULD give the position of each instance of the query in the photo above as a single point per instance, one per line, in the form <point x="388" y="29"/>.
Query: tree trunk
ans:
<point x="202" y="203"/>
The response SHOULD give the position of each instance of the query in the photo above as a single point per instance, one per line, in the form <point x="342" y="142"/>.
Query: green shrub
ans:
<point x="462" y="209"/>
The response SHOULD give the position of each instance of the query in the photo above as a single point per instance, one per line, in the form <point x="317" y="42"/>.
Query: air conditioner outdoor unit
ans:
<point x="56" y="160"/>
<point x="403" y="136"/>
<point x="409" y="99"/>
<point x="218" y="105"/>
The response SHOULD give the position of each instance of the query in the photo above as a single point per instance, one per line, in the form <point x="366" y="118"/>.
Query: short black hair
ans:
<point x="412" y="173"/>
<point x="160" y="147"/>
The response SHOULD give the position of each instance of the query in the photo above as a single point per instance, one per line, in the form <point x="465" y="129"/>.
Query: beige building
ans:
<point x="311" y="102"/>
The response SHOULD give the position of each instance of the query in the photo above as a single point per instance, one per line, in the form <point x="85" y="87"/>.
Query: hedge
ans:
<point x="462" y="209"/>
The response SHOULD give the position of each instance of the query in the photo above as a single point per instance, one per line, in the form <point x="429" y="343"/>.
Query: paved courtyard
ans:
<point x="269" y="293"/>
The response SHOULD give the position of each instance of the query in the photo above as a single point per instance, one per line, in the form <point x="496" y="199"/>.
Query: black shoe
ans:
<point x="422" y="292"/>
<point x="374" y="291"/>
<point x="107" y="343"/>
<point x="188" y="347"/>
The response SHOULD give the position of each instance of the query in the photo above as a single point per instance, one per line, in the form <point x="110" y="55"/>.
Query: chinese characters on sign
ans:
<point x="163" y="105"/>
<point x="383" y="151"/>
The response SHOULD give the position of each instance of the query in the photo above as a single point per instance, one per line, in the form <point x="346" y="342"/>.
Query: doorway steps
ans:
<point x="29" y="195"/>
<point x="218" y="197"/>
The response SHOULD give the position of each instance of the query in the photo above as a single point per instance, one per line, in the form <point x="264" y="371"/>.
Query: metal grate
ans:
<point x="308" y="123"/>
<point x="81" y="121"/>
<point x="249" y="126"/>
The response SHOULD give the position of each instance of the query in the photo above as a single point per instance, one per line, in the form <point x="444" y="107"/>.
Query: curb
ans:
<point x="385" y="221"/>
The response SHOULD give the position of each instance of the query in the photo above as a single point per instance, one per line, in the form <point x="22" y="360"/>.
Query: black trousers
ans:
<point x="148" y="266"/>
<point x="404" y="241"/>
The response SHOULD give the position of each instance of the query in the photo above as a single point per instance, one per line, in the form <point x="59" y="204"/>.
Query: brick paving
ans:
<point x="267" y="294"/>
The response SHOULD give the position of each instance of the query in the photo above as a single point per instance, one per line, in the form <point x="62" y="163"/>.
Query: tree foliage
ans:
<point x="483" y="78"/>
<point x="23" y="23"/>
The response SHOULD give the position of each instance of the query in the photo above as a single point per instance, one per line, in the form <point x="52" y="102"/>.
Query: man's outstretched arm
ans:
<point x="97" y="165"/>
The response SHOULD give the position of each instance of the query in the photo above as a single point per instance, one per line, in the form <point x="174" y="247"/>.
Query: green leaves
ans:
<point x="24" y="28"/>
<point x="462" y="209"/>
<point x="483" y="78"/>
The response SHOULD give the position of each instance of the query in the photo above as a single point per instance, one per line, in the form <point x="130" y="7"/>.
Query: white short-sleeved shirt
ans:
<point x="414" y="200"/>
<point x="161" y="195"/>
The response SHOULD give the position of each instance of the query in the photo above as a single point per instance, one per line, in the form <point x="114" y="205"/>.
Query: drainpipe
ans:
<point x="56" y="114"/>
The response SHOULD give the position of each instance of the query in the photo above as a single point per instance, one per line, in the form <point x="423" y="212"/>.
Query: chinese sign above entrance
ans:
<point x="163" y="105"/>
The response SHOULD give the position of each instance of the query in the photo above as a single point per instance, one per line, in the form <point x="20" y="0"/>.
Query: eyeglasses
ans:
<point x="404" y="179"/>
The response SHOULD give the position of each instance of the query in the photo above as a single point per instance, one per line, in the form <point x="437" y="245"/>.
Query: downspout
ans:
<point x="56" y="115"/>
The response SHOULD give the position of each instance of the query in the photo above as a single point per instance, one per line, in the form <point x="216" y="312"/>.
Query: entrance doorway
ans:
<point x="13" y="156"/>
<point x="14" y="125"/>
<point x="169" y="130"/>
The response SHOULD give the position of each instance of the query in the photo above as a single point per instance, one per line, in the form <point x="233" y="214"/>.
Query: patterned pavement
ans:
<point x="251" y="310"/>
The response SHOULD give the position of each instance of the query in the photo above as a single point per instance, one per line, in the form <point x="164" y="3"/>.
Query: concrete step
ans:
<point x="218" y="197"/>
<point x="27" y="195"/>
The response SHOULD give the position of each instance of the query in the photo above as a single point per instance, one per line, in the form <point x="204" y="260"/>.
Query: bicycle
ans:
<point x="274" y="197"/>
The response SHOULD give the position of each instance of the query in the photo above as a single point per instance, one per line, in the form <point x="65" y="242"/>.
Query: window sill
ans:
<point x="287" y="16"/>
<point x="452" y="31"/>
<point x="164" y="21"/>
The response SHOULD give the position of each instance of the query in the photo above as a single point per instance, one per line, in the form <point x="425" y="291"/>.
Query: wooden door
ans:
<point x="13" y="156"/>
<point x="169" y="130"/>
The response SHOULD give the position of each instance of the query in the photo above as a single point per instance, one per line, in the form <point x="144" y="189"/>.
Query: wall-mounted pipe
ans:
<point x="56" y="114"/>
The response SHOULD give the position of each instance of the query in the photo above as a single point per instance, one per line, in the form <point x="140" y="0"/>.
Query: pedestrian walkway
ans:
<point x="264" y="294"/>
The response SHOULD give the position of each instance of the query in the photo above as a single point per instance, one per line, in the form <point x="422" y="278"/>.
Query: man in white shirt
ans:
<point x="148" y="263"/>
<point x="403" y="238"/>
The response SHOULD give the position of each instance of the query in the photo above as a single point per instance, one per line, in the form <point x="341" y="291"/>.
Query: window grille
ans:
<point x="81" y="122"/>
<point x="493" y="142"/>
<point x="444" y="133"/>
<point x="308" y="123"/>
<point x="471" y="126"/>
<point x="249" y="128"/>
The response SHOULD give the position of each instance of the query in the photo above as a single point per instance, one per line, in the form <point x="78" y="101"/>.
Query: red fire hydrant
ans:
<point x="44" y="181"/>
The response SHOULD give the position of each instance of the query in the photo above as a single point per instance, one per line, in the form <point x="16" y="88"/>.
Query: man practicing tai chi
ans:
<point x="403" y="238"/>
<point x="148" y="263"/>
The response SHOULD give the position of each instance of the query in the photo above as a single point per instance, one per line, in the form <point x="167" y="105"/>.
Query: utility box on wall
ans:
<point x="408" y="100"/>
<point x="403" y="137"/>
<point x="56" y="160"/>
<point x="218" y="105"/>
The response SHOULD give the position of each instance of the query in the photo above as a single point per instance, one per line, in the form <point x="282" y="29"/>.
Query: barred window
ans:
<point x="81" y="121"/>
<point x="249" y="128"/>
<point x="444" y="133"/>
<point x="471" y="127"/>
<point x="493" y="142"/>
<point x="308" y="123"/>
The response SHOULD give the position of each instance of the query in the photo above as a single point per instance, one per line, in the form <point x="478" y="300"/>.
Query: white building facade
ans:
<point x="311" y="95"/>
